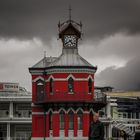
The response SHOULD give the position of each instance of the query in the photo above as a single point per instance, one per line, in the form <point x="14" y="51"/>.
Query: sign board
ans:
<point x="9" y="87"/>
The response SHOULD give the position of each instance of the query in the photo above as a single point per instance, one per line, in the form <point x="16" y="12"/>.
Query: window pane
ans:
<point x="40" y="90"/>
<point x="89" y="86"/>
<point x="50" y="121"/>
<point x="79" y="119"/>
<point x="51" y="85"/>
<point x="70" y="85"/>
<point x="62" y="120"/>
<point x="71" y="120"/>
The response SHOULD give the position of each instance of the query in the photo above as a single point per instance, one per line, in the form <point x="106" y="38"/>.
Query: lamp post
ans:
<point x="44" y="73"/>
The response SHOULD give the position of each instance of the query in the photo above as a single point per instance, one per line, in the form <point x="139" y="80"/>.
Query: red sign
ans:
<point x="1" y="86"/>
<point x="9" y="86"/>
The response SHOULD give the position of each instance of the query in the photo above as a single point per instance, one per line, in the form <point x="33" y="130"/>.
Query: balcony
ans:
<point x="101" y="98"/>
<point x="23" y="114"/>
<point x="4" y="113"/>
<point x="70" y="97"/>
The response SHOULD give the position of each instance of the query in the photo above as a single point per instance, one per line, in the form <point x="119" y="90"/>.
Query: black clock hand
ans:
<point x="66" y="42"/>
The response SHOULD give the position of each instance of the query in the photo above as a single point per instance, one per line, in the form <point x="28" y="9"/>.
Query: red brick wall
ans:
<point x="60" y="88"/>
<point x="37" y="125"/>
<point x="85" y="124"/>
<point x="55" y="124"/>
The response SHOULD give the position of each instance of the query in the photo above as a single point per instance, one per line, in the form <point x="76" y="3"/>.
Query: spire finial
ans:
<point x="70" y="12"/>
<point x="44" y="53"/>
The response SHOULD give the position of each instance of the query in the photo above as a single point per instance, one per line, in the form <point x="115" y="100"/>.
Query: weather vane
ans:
<point x="60" y="25"/>
<point x="70" y="12"/>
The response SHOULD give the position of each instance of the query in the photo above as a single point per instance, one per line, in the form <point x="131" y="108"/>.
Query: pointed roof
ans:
<point x="44" y="62"/>
<point x="69" y="28"/>
<point x="70" y="57"/>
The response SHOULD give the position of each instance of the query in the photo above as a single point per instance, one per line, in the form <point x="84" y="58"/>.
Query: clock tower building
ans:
<point x="63" y="99"/>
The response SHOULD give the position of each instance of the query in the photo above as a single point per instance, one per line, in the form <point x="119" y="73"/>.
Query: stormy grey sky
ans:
<point x="111" y="38"/>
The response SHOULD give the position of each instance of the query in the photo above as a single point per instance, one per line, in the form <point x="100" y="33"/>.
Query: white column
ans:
<point x="110" y="130"/>
<point x="108" y="107"/>
<point x="11" y="110"/>
<point x="8" y="131"/>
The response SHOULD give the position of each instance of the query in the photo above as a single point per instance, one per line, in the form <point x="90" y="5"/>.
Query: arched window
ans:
<point x="62" y="119"/>
<point x="71" y="120"/>
<point x="50" y="120"/>
<point x="79" y="119"/>
<point x="90" y="86"/>
<point x="51" y="85"/>
<point x="40" y="89"/>
<point x="70" y="84"/>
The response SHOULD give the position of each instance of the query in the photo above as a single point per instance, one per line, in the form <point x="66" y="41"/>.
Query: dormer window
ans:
<point x="51" y="86"/>
<point x="90" y="86"/>
<point x="70" y="85"/>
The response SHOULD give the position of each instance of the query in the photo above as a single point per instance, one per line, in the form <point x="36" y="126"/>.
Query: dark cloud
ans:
<point x="115" y="24"/>
<point x="38" y="18"/>
<point x="119" y="45"/>
<point x="124" y="78"/>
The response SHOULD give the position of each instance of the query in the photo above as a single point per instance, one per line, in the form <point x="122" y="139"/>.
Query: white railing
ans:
<point x="19" y="138"/>
<point x="14" y="138"/>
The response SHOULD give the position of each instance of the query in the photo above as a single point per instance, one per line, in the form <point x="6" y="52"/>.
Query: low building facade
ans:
<point x="122" y="114"/>
<point x="15" y="112"/>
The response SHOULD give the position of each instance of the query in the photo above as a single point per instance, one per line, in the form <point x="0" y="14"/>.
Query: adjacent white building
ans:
<point x="15" y="112"/>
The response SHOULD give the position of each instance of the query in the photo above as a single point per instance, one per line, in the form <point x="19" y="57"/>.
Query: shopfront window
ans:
<point x="79" y="119"/>
<point x="4" y="110"/>
<point x="71" y="120"/>
<point x="62" y="119"/>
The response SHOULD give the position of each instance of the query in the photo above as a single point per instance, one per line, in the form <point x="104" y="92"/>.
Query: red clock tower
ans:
<point x="63" y="91"/>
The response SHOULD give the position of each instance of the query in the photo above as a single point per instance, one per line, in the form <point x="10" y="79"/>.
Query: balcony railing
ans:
<point x="23" y="113"/>
<point x="4" y="113"/>
<point x="80" y="96"/>
<point x="100" y="99"/>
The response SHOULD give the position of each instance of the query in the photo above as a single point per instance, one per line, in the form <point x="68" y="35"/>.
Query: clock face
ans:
<point x="70" y="40"/>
